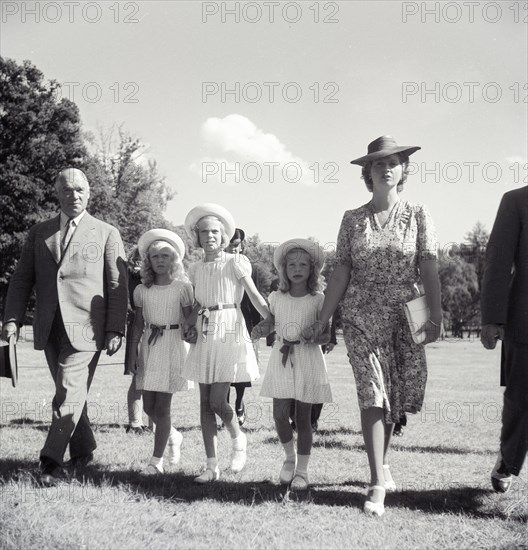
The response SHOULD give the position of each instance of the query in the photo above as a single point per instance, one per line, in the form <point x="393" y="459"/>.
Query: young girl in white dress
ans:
<point x="223" y="352"/>
<point x="296" y="369"/>
<point x="163" y="300"/>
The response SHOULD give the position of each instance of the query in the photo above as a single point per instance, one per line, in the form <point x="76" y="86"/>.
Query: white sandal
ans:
<point x="208" y="476"/>
<point x="287" y="471"/>
<point x="300" y="482"/>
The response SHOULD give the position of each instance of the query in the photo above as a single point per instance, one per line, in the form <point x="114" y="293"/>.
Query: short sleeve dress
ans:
<point x="304" y="377"/>
<point x="161" y="362"/>
<point x="389" y="368"/>
<point x="223" y="351"/>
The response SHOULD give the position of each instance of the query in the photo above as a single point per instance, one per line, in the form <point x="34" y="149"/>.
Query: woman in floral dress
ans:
<point x="385" y="249"/>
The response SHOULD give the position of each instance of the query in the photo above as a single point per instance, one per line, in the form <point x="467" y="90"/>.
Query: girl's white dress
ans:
<point x="160" y="364"/>
<point x="224" y="353"/>
<point x="304" y="377"/>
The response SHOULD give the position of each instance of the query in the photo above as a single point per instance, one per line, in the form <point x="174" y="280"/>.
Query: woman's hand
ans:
<point x="433" y="331"/>
<point x="318" y="333"/>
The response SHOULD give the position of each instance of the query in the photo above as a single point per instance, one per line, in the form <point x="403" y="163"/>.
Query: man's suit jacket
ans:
<point x="89" y="283"/>
<point x="504" y="298"/>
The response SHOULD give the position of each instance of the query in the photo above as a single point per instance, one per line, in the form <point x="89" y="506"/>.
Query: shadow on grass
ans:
<point x="127" y="485"/>
<point x="440" y="449"/>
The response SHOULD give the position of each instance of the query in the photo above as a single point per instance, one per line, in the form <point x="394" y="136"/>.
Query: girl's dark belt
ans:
<point x="205" y="313"/>
<point x="157" y="332"/>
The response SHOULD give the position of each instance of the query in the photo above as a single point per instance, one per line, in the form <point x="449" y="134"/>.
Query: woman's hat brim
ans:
<point x="315" y="250"/>
<point x="210" y="209"/>
<point x="161" y="235"/>
<point x="408" y="150"/>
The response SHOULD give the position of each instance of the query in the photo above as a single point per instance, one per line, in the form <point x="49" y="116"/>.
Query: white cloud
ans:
<point x="517" y="160"/>
<point x="238" y="152"/>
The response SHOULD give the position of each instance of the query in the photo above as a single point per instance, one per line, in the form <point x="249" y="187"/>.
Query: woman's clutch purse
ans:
<point x="417" y="314"/>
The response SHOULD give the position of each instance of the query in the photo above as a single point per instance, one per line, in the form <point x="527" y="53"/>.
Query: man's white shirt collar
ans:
<point x="64" y="219"/>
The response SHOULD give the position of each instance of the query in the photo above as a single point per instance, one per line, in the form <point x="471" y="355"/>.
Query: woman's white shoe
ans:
<point x="375" y="507"/>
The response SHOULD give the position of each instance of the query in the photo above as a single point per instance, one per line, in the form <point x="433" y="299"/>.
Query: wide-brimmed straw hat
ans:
<point x="383" y="147"/>
<point x="210" y="209"/>
<point x="312" y="248"/>
<point x="161" y="235"/>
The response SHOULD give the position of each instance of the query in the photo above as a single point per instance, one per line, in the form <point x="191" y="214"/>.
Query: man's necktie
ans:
<point x="68" y="232"/>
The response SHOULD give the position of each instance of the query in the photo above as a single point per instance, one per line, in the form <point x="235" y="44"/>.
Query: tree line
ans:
<point x="41" y="133"/>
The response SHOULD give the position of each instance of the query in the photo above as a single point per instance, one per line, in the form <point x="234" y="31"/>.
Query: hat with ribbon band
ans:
<point x="210" y="209"/>
<point x="161" y="235"/>
<point x="311" y="247"/>
<point x="383" y="147"/>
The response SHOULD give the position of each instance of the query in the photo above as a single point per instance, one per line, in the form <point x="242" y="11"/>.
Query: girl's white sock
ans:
<point x="212" y="464"/>
<point x="289" y="449"/>
<point x="155" y="461"/>
<point x="302" y="464"/>
<point x="239" y="442"/>
<point x="174" y="436"/>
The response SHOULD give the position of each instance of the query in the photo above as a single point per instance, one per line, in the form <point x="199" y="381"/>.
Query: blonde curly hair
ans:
<point x="195" y="232"/>
<point x="315" y="282"/>
<point x="176" y="270"/>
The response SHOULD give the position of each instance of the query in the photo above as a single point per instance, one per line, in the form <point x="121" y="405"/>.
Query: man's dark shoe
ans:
<point x="79" y="462"/>
<point x="241" y="414"/>
<point x="398" y="430"/>
<point x="501" y="478"/>
<point x="51" y="475"/>
<point x="138" y="430"/>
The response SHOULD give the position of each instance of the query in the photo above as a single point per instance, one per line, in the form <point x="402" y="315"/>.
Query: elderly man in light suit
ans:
<point x="77" y="265"/>
<point x="504" y="306"/>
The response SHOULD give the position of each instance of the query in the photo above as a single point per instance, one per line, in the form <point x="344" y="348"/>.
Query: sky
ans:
<point x="260" y="106"/>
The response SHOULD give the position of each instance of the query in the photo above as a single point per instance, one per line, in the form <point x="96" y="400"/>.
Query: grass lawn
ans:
<point x="441" y="466"/>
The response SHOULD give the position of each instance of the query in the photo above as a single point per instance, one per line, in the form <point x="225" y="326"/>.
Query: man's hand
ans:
<point x="328" y="347"/>
<point x="490" y="334"/>
<point x="113" y="342"/>
<point x="8" y="330"/>
<point x="190" y="334"/>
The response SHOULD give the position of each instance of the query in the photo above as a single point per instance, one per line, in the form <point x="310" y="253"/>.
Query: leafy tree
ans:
<point x="39" y="135"/>
<point x="474" y="250"/>
<point x="460" y="292"/>
<point x="125" y="192"/>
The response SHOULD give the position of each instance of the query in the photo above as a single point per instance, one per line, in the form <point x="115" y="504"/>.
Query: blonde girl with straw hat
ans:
<point x="163" y="300"/>
<point x="296" y="370"/>
<point x="222" y="353"/>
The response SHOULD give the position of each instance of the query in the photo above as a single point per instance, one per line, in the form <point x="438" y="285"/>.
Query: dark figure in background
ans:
<point x="504" y="310"/>
<point x="251" y="317"/>
<point x="270" y="338"/>
<point x="134" y="396"/>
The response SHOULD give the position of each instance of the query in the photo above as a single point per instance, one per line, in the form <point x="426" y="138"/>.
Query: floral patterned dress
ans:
<point x="389" y="368"/>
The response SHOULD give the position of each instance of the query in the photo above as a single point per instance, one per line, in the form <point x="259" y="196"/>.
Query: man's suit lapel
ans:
<point x="52" y="238"/>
